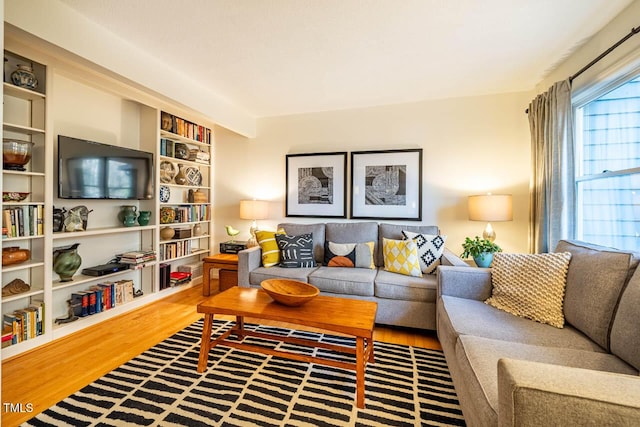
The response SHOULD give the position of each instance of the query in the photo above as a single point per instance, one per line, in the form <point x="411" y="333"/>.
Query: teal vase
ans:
<point x="483" y="260"/>
<point x="66" y="261"/>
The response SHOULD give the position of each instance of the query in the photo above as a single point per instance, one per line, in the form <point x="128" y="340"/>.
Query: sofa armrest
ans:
<point x="248" y="260"/>
<point x="449" y="258"/>
<point x="464" y="282"/>
<point x="535" y="394"/>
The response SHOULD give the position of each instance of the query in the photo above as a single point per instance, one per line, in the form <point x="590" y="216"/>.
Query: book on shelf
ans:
<point x="24" y="324"/>
<point x="136" y="257"/>
<point x="180" y="277"/>
<point x="22" y="221"/>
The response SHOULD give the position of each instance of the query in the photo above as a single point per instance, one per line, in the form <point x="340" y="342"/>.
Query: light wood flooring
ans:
<point x="46" y="375"/>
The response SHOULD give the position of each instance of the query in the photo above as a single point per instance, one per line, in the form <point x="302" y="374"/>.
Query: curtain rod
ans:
<point x="632" y="33"/>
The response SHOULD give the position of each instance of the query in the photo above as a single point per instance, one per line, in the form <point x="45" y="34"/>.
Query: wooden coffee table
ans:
<point x="345" y="316"/>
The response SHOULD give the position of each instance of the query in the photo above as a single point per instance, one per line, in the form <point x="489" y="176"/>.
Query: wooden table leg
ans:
<point x="206" y="278"/>
<point x="205" y="344"/>
<point x="371" y="347"/>
<point x="360" y="362"/>
<point x="240" y="327"/>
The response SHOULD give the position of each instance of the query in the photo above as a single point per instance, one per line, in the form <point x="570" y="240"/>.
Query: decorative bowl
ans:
<point x="289" y="292"/>
<point x="14" y="196"/>
<point x="15" y="153"/>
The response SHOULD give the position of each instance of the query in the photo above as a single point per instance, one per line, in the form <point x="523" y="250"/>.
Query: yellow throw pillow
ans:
<point x="269" y="246"/>
<point x="401" y="256"/>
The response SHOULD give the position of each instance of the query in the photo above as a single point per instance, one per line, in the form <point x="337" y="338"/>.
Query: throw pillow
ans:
<point x="296" y="251"/>
<point x="355" y="255"/>
<point x="530" y="285"/>
<point x="269" y="246"/>
<point x="401" y="256"/>
<point x="430" y="249"/>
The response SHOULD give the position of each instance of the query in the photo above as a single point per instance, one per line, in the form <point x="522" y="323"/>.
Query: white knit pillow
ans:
<point x="530" y="285"/>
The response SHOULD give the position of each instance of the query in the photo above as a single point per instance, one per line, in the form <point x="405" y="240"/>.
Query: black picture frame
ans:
<point x="316" y="185"/>
<point x="386" y="184"/>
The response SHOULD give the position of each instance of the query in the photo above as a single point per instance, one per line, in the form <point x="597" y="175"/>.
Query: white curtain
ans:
<point x="552" y="192"/>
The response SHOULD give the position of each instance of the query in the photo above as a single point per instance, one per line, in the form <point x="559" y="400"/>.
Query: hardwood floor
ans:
<point x="42" y="377"/>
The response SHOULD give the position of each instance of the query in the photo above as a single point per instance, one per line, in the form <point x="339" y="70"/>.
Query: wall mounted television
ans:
<point x="93" y="170"/>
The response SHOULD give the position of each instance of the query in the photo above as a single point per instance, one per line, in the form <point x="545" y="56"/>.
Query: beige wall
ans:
<point x="471" y="145"/>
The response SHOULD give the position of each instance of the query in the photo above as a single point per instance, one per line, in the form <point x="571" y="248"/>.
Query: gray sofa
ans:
<point x="509" y="370"/>
<point x="402" y="300"/>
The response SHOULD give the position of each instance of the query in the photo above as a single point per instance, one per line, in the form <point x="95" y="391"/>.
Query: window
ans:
<point x="608" y="168"/>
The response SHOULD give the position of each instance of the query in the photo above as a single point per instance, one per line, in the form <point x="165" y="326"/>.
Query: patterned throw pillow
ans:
<point x="530" y="285"/>
<point x="355" y="255"/>
<point x="296" y="251"/>
<point x="269" y="246"/>
<point x="401" y="256"/>
<point x="430" y="249"/>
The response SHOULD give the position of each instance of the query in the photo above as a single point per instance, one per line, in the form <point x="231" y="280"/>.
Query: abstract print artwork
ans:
<point x="316" y="185"/>
<point x="386" y="184"/>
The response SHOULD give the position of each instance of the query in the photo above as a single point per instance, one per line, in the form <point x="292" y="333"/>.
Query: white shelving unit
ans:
<point x="114" y="118"/>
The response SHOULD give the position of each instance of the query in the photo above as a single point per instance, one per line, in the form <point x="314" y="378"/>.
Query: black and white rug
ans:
<point x="405" y="386"/>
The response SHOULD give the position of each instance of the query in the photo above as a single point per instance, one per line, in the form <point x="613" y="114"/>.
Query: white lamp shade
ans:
<point x="491" y="207"/>
<point x="254" y="209"/>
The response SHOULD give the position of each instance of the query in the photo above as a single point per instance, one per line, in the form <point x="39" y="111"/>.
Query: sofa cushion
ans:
<point x="478" y="361"/>
<point x="269" y="247"/>
<point x="318" y="232"/>
<point x="430" y="249"/>
<point x="344" y="281"/>
<point x="401" y="256"/>
<point x="394" y="232"/>
<point x="296" y="251"/>
<point x="595" y="280"/>
<point x="462" y="316"/>
<point x="625" y="332"/>
<point x="408" y="288"/>
<point x="262" y="273"/>
<point x="530" y="285"/>
<point x="352" y="232"/>
<point x="353" y="255"/>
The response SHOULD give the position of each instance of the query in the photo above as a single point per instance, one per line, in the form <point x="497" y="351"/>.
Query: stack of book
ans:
<point x="102" y="297"/>
<point x="179" y="278"/>
<point x="22" y="325"/>
<point x="137" y="259"/>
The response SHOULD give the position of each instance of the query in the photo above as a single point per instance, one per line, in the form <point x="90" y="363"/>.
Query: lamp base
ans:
<point x="253" y="241"/>
<point x="488" y="233"/>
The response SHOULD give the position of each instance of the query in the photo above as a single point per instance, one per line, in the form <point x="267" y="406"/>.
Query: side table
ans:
<point x="228" y="275"/>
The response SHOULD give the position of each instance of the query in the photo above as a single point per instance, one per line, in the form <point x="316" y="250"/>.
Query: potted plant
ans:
<point x="481" y="250"/>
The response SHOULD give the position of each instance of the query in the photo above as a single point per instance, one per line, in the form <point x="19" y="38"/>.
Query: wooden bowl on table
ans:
<point x="289" y="292"/>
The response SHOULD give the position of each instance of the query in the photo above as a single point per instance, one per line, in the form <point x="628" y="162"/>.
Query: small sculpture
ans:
<point x="231" y="231"/>
<point x="14" y="287"/>
<point x="70" y="314"/>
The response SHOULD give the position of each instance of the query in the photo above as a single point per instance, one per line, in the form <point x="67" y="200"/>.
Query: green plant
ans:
<point x="478" y="247"/>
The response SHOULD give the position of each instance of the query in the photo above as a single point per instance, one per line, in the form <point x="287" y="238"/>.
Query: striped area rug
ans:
<point x="406" y="386"/>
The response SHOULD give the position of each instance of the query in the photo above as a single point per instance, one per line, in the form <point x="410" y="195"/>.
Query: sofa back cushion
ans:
<point x="394" y="232"/>
<point x="318" y="232"/>
<point x="596" y="277"/>
<point x="625" y="332"/>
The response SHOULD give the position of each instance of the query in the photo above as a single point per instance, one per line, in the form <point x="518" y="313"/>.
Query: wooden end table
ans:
<point x="347" y="316"/>
<point x="227" y="276"/>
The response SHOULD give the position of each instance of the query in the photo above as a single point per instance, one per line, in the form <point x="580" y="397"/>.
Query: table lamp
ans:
<point x="490" y="207"/>
<point x="253" y="210"/>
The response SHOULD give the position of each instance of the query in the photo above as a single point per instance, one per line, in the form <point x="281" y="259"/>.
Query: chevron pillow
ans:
<point x="296" y="251"/>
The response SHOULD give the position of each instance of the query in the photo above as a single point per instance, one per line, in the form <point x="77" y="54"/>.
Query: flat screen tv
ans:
<point x="92" y="170"/>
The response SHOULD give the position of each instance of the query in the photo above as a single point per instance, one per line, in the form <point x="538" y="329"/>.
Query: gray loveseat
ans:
<point x="402" y="300"/>
<point x="509" y="370"/>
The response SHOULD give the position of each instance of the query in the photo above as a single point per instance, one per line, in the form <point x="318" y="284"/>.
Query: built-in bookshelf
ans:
<point x="52" y="307"/>
<point x="185" y="189"/>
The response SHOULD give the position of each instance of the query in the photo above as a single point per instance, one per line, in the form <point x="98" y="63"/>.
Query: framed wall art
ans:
<point x="316" y="185"/>
<point x="386" y="184"/>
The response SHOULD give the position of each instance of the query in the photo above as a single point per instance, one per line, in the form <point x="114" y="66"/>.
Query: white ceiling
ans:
<point x="275" y="57"/>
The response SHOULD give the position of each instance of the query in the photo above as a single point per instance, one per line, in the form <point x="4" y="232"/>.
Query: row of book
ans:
<point x="22" y="221"/>
<point x="168" y="149"/>
<point x="185" y="128"/>
<point x="102" y="297"/>
<point x="175" y="249"/>
<point x="22" y="325"/>
<point x="192" y="213"/>
<point x="137" y="259"/>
